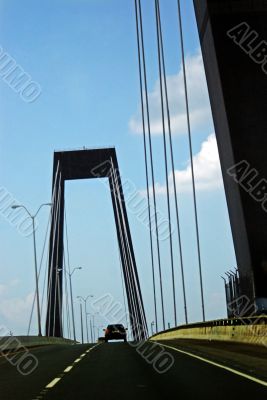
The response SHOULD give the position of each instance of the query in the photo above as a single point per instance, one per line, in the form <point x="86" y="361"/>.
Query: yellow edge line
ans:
<point x="234" y="371"/>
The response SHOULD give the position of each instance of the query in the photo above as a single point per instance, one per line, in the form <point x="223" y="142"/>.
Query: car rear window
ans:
<point x="116" y="327"/>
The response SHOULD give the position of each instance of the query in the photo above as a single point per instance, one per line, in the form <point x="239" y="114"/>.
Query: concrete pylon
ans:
<point x="91" y="164"/>
<point x="233" y="37"/>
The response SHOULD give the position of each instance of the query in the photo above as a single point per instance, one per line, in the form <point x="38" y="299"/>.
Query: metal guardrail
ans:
<point x="258" y="320"/>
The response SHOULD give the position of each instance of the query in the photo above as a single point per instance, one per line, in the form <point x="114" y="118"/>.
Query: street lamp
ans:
<point x="98" y="330"/>
<point x="91" y="330"/>
<point x="60" y="295"/>
<point x="71" y="296"/>
<point x="81" y="314"/>
<point x="35" y="257"/>
<point x="93" y="318"/>
<point x="85" y="312"/>
<point x="152" y="324"/>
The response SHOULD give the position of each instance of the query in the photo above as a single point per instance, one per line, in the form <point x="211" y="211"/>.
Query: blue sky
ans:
<point x="83" y="54"/>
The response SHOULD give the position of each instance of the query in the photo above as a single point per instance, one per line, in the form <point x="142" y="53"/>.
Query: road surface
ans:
<point x="117" y="370"/>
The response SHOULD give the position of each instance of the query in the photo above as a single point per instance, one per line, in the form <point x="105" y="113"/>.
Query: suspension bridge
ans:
<point x="193" y="359"/>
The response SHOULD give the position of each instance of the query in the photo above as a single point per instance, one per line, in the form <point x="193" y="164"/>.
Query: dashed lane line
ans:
<point x="68" y="369"/>
<point x="55" y="381"/>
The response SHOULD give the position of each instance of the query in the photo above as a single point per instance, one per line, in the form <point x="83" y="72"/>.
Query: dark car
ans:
<point x="115" y="332"/>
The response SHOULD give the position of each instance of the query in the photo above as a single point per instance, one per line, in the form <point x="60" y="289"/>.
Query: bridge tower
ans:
<point x="91" y="164"/>
<point x="233" y="36"/>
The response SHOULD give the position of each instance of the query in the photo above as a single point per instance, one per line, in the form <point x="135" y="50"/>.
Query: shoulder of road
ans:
<point x="246" y="358"/>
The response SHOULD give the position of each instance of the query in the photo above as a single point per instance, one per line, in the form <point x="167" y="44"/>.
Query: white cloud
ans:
<point x="16" y="309"/>
<point x="207" y="170"/>
<point x="5" y="288"/>
<point x="2" y="289"/>
<point x="198" y="96"/>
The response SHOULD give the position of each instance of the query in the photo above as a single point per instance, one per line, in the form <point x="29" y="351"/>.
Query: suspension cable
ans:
<point x="66" y="294"/>
<point x="191" y="154"/>
<point x="57" y="250"/>
<point x="166" y="161"/>
<point x="54" y="213"/>
<point x="60" y="303"/>
<point x="46" y="281"/>
<point x="129" y="287"/>
<point x="132" y="261"/>
<point x="138" y="294"/>
<point x="128" y="264"/>
<point x="146" y="166"/>
<point x="68" y="259"/>
<point x="46" y="263"/>
<point x="173" y="167"/>
<point x="123" y="287"/>
<point x="138" y="302"/>
<point x="39" y="274"/>
<point x="67" y="239"/>
<point x="151" y="160"/>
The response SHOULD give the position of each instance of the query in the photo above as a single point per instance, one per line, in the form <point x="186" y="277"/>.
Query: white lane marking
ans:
<point x="53" y="383"/>
<point x="234" y="371"/>
<point x="68" y="368"/>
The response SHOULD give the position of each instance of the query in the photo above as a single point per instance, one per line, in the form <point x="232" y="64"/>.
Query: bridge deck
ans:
<point x="116" y="370"/>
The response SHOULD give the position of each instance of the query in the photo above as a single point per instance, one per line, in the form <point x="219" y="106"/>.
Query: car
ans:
<point x="115" y="332"/>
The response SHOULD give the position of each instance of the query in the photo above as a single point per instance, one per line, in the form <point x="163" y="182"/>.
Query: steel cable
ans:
<point x="137" y="288"/>
<point x="191" y="155"/>
<point x="173" y="167"/>
<point x="151" y="159"/>
<point x="165" y="160"/>
<point x="146" y="165"/>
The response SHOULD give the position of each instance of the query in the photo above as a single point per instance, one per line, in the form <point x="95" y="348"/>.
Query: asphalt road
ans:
<point x="116" y="370"/>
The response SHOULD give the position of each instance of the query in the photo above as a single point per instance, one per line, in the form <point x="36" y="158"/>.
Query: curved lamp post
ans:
<point x="85" y="312"/>
<point x="33" y="216"/>
<point x="71" y="296"/>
